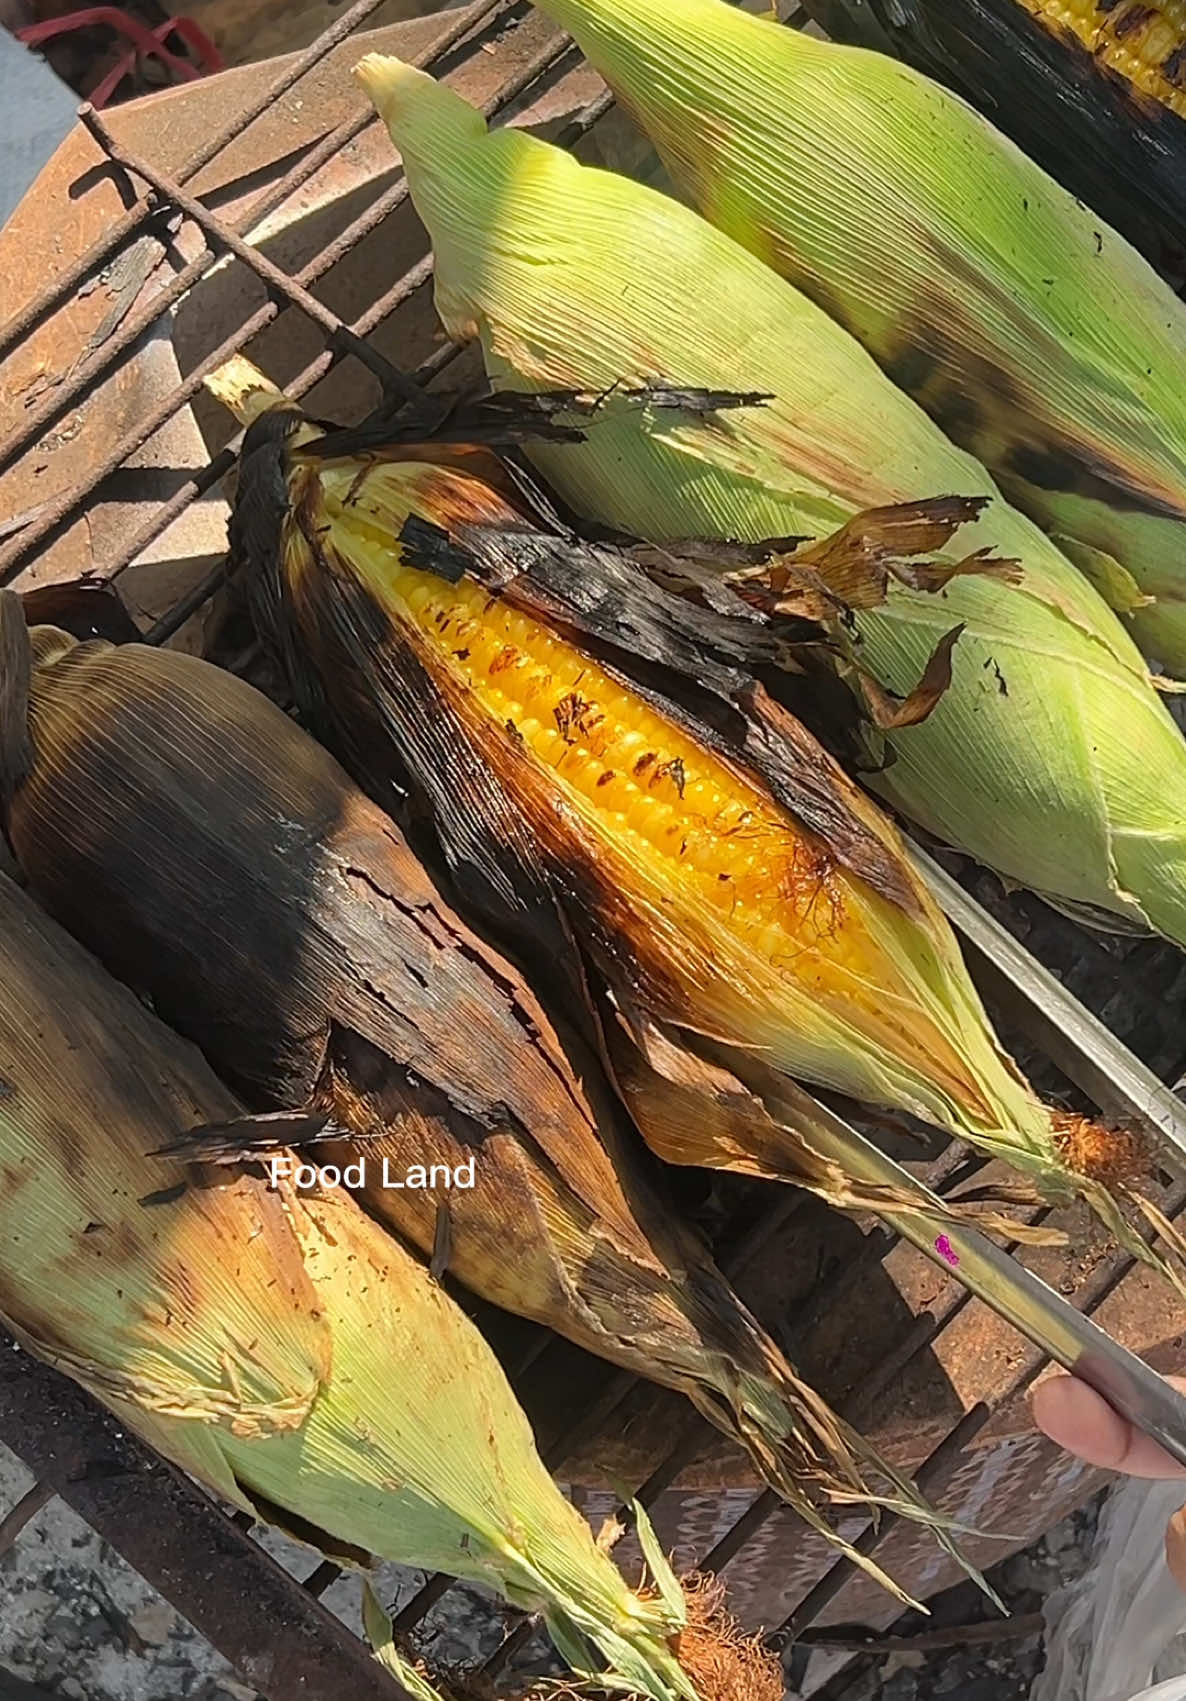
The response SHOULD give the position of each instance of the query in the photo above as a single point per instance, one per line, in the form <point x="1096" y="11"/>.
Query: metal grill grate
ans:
<point x="244" y="1603"/>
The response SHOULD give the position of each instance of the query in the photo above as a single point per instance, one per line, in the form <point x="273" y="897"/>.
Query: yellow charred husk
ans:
<point x="220" y="861"/>
<point x="741" y="922"/>
<point x="280" y="1347"/>
<point x="1143" y="41"/>
<point x="1050" y="758"/>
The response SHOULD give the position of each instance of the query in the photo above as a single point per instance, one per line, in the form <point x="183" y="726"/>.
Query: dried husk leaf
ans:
<point x="221" y="861"/>
<point x="1050" y="758"/>
<point x="694" y="1110"/>
<point x="284" y="1349"/>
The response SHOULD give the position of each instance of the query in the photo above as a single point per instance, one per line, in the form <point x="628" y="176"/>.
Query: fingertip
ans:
<point x="1075" y="1417"/>
<point x="1078" y="1419"/>
<point x="1175" y="1548"/>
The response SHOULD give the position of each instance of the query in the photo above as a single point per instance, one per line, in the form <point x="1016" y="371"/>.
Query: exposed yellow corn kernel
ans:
<point x="1141" y="41"/>
<point x="701" y="843"/>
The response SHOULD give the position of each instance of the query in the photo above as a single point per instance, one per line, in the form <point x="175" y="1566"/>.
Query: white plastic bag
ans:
<point x="1116" y="1630"/>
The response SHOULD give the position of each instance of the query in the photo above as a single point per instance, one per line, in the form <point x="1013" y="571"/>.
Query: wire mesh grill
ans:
<point x="158" y="206"/>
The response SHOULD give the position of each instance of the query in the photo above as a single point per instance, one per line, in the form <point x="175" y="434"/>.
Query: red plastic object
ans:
<point x="146" y="44"/>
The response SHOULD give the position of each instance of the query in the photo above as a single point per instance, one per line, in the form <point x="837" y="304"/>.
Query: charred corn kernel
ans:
<point x="1050" y="758"/>
<point x="281" y="1347"/>
<point x="1141" y="41"/>
<point x="835" y="968"/>
<point x="198" y="840"/>
<point x="672" y="793"/>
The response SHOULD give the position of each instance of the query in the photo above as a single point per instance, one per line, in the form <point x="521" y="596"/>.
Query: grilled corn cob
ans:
<point x="574" y="807"/>
<point x="282" y="1348"/>
<point x="1050" y="758"/>
<point x="1031" y="333"/>
<point x="1143" y="41"/>
<point x="218" y="859"/>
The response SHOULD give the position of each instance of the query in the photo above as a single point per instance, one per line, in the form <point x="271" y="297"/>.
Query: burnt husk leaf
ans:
<point x="889" y="713"/>
<point x="504" y="419"/>
<point x="16" y="752"/>
<point x="246" y="1137"/>
<point x="219" y="860"/>
<point x="86" y="608"/>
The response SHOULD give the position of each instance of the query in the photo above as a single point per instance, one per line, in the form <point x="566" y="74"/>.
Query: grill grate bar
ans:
<point x="930" y="1477"/>
<point x="67" y="283"/>
<point x="25" y="1510"/>
<point x="320" y="1579"/>
<point x="174" y="1535"/>
<point x="88" y="373"/>
<point x="57" y="512"/>
<point x="169" y="511"/>
<point x="277" y="281"/>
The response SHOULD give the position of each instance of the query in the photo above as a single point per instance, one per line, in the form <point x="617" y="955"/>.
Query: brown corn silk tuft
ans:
<point x="1112" y="1156"/>
<point x="723" y="1661"/>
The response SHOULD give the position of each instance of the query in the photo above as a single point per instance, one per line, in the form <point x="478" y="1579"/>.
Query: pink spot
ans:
<point x="946" y="1251"/>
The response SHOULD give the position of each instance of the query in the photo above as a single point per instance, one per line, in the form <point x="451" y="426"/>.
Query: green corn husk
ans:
<point x="218" y="859"/>
<point x="1036" y="336"/>
<point x="282" y="1348"/>
<point x="380" y="1633"/>
<point x="1095" y="93"/>
<point x="796" y="934"/>
<point x="1050" y="758"/>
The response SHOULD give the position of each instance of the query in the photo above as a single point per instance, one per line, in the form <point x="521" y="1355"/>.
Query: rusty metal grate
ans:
<point x="266" y="1624"/>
